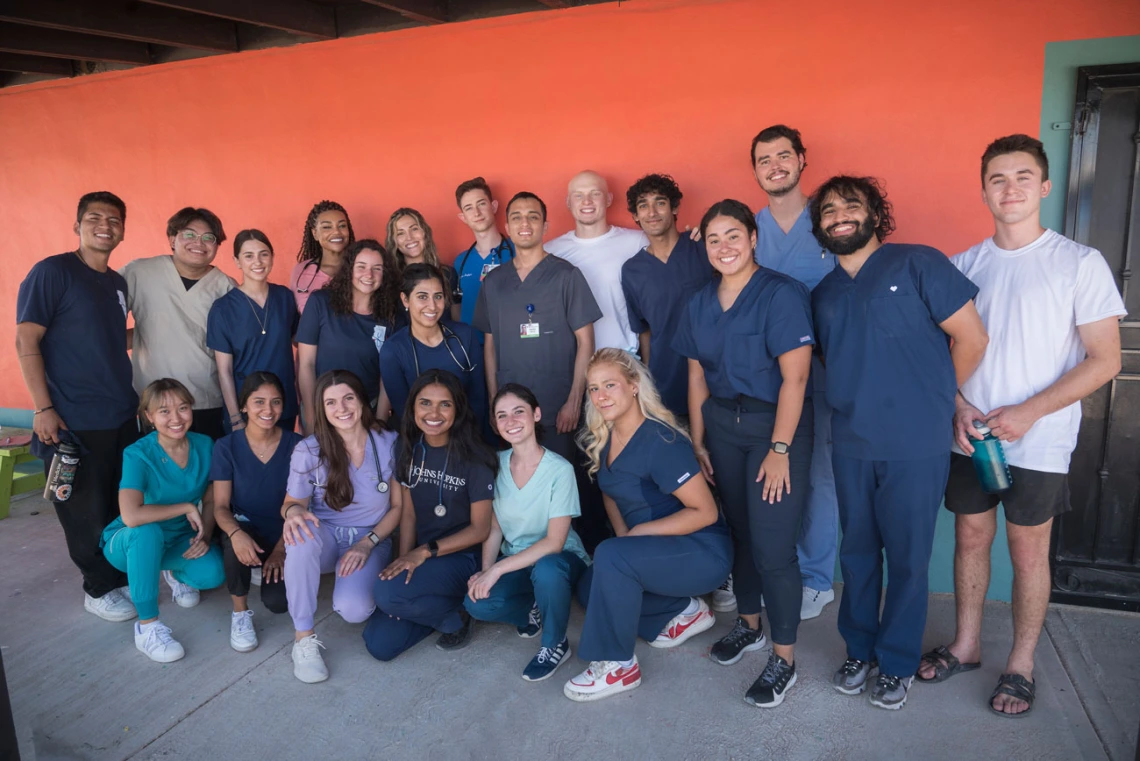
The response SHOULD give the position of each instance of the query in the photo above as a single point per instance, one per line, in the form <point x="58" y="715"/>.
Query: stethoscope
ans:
<point x="466" y="365"/>
<point x="312" y="280"/>
<point x="440" y="510"/>
<point x="381" y="484"/>
<point x="497" y="257"/>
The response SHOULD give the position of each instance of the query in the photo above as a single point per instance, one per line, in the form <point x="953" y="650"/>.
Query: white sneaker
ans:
<point x="110" y="607"/>
<point x="155" y="641"/>
<point x="185" y="595"/>
<point x="243" y="638"/>
<point x="308" y="665"/>
<point x="601" y="680"/>
<point x="255" y="576"/>
<point x="683" y="627"/>
<point x="723" y="599"/>
<point x="814" y="602"/>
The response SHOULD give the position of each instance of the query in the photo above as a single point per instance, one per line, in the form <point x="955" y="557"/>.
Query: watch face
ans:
<point x="780" y="448"/>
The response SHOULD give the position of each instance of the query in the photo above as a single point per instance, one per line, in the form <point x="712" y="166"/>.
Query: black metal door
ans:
<point x="1096" y="546"/>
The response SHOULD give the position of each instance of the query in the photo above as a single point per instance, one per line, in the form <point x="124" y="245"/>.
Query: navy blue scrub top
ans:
<point x="655" y="295"/>
<point x="460" y="354"/>
<point x="739" y="349"/>
<point x="344" y="341"/>
<point x="654" y="463"/>
<point x="84" y="347"/>
<point x="234" y="327"/>
<point x="796" y="253"/>
<point x="258" y="488"/>
<point x="472" y="268"/>
<point x="890" y="380"/>
<point x="436" y="479"/>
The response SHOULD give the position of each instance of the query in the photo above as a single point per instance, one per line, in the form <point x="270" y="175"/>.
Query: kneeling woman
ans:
<point x="165" y="475"/>
<point x="449" y="479"/>
<point x="536" y="496"/>
<point x="671" y="543"/>
<point x="340" y="509"/>
<point x="249" y="471"/>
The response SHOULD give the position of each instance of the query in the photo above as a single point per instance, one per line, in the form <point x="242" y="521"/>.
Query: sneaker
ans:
<point x="772" y="687"/>
<point x="682" y="627"/>
<point x="731" y="647"/>
<point x="543" y="665"/>
<point x="460" y="639"/>
<point x="185" y="595"/>
<point x="601" y="680"/>
<point x="255" y="576"/>
<point x="890" y="691"/>
<point x="814" y="602"/>
<point x="155" y="642"/>
<point x="243" y="638"/>
<point x="308" y="665"/>
<point x="852" y="676"/>
<point x="723" y="599"/>
<point x="112" y="606"/>
<point x="533" y="625"/>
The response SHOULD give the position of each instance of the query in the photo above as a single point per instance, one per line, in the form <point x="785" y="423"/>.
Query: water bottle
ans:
<point x="61" y="475"/>
<point x="989" y="461"/>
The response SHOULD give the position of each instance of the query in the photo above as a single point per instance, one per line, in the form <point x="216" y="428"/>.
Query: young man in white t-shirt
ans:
<point x="599" y="250"/>
<point x="1052" y="308"/>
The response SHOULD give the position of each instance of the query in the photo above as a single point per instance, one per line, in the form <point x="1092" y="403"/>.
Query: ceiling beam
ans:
<point x="294" y="16"/>
<point x="16" y="38"/>
<point x="140" y="23"/>
<point x="426" y="11"/>
<point x="34" y="64"/>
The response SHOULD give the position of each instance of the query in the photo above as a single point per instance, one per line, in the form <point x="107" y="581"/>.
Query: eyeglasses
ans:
<point x="190" y="235"/>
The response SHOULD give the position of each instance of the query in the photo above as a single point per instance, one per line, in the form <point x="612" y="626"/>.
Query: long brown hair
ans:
<point x="384" y="299"/>
<point x="339" y="493"/>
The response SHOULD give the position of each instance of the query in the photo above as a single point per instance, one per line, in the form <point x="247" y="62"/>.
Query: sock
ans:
<point x="629" y="663"/>
<point x="142" y="628"/>
<point x="692" y="608"/>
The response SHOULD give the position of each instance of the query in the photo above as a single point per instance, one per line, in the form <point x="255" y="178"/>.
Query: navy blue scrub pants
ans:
<point x="739" y="436"/>
<point x="637" y="584"/>
<point x="549" y="583"/>
<point x="408" y="612"/>
<point x="892" y="506"/>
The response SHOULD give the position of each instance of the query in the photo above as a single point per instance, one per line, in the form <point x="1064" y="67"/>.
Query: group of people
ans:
<point x="639" y="418"/>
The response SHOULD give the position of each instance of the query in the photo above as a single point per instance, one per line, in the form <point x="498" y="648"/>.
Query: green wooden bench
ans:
<point x="20" y="471"/>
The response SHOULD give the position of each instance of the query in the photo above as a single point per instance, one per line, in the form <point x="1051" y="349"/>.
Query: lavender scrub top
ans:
<point x="308" y="478"/>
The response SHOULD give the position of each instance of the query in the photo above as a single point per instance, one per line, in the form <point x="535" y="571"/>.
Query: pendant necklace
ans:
<point x="260" y="324"/>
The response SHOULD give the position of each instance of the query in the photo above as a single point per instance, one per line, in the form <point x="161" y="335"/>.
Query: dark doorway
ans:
<point x="1096" y="547"/>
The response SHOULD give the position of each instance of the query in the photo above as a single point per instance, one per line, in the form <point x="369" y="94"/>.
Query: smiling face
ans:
<point x="342" y="407"/>
<point x="777" y="166"/>
<point x="477" y="211"/>
<point x="255" y="260"/>
<point x="730" y="245"/>
<point x="170" y="415"/>
<point x="611" y="393"/>
<point x="588" y="197"/>
<point x="847" y="223"/>
<point x="367" y="271"/>
<point x="410" y="239"/>
<point x="101" y="228"/>
<point x="331" y="231"/>
<point x="1013" y="188"/>
<point x="195" y="245"/>
<point x="426" y="304"/>
<point x="264" y="406"/>
<point x="654" y="214"/>
<point x="435" y="413"/>
<point x="515" y="419"/>
<point x="525" y="224"/>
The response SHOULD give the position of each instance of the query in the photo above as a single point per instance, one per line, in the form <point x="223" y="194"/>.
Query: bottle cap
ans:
<point x="981" y="427"/>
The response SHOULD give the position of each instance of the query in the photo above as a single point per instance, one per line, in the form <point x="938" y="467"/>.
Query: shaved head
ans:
<point x="587" y="179"/>
<point x="588" y="197"/>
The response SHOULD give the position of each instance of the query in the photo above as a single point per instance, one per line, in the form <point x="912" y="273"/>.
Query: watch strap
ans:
<point x="779" y="447"/>
<point x="373" y="538"/>
<point x="433" y="548"/>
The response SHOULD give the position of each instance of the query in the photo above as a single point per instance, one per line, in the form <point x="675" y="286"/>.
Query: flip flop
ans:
<point x="945" y="664"/>
<point x="1016" y="686"/>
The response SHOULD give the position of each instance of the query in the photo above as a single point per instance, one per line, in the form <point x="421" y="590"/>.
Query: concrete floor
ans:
<point x="81" y="691"/>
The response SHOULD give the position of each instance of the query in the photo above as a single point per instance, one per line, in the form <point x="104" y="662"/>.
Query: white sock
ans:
<point x="629" y="663"/>
<point x="142" y="628"/>
<point x="693" y="607"/>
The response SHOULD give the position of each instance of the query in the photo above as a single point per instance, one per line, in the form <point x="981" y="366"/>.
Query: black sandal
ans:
<point x="945" y="664"/>
<point x="1015" y="686"/>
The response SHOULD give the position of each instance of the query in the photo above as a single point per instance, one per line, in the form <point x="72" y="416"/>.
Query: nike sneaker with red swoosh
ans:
<point x="601" y="680"/>
<point x="682" y="627"/>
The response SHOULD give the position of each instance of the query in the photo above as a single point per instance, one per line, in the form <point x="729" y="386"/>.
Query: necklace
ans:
<point x="265" y="450"/>
<point x="260" y="324"/>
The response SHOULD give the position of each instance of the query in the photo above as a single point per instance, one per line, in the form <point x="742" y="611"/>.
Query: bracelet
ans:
<point x="286" y="515"/>
<point x="231" y="534"/>
<point x="44" y="409"/>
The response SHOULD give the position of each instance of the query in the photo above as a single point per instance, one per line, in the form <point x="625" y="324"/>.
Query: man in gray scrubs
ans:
<point x="538" y="315"/>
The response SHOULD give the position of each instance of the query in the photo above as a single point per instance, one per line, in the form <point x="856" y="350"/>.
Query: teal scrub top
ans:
<point x="524" y="514"/>
<point x="147" y="468"/>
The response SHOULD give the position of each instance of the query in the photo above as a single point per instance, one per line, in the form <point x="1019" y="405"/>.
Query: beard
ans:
<point x="849" y="244"/>
<point x="793" y="183"/>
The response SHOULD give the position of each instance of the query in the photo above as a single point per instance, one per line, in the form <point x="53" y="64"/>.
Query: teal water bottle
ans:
<point x="989" y="461"/>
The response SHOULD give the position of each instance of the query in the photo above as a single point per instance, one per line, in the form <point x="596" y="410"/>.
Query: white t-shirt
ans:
<point x="600" y="260"/>
<point x="1031" y="301"/>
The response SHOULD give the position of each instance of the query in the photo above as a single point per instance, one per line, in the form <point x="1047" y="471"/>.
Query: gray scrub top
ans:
<point x="553" y="302"/>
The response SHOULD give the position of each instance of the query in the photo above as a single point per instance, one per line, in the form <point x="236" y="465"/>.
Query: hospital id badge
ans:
<point x="528" y="330"/>
<point x="486" y="270"/>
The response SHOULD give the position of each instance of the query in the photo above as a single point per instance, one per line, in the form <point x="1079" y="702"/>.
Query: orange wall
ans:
<point x="908" y="91"/>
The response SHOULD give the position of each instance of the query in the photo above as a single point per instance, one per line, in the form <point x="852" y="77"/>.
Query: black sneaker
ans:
<point x="457" y="640"/>
<point x="770" y="689"/>
<point x="533" y="624"/>
<point x="890" y="691"/>
<point x="731" y="647"/>
<point x="852" y="676"/>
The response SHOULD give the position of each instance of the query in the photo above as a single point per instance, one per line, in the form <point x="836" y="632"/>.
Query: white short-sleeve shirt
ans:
<point x="1032" y="301"/>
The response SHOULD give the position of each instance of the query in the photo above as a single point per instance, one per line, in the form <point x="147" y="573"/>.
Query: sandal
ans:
<point x="945" y="664"/>
<point x="1016" y="686"/>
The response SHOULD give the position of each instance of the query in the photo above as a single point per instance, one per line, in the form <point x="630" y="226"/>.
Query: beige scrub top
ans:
<point x="170" y="327"/>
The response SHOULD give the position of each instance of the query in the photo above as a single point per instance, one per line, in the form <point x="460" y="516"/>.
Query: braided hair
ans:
<point x="310" y="246"/>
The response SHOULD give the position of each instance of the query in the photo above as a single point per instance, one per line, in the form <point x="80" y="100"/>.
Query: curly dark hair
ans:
<point x="384" y="299"/>
<point x="463" y="441"/>
<point x="866" y="190"/>
<point x="658" y="184"/>
<point x="310" y="247"/>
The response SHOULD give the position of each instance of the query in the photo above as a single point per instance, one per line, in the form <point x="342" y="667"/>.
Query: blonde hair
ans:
<point x="156" y="391"/>
<point x="593" y="439"/>
<point x="431" y="253"/>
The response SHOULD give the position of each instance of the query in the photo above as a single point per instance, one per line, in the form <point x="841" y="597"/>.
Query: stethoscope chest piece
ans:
<point x="382" y="487"/>
<point x="440" y="511"/>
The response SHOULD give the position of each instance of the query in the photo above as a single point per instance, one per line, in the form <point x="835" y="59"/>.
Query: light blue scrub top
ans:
<point x="796" y="253"/>
<point x="524" y="514"/>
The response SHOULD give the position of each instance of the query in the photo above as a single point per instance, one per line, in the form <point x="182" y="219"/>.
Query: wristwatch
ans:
<point x="780" y="447"/>
<point x="373" y="538"/>
<point x="433" y="548"/>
